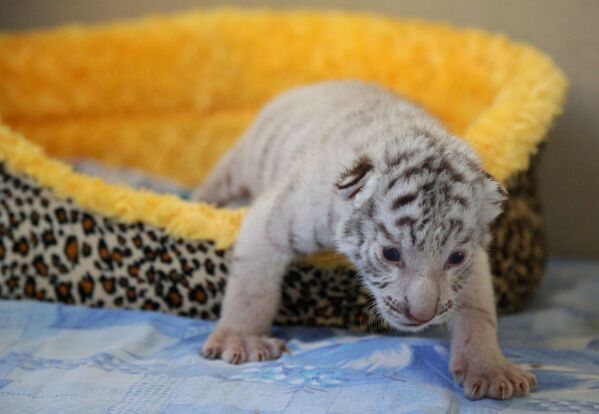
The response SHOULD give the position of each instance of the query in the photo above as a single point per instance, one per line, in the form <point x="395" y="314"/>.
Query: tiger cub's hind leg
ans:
<point x="224" y="184"/>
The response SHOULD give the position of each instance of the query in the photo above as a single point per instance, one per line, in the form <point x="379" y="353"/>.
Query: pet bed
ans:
<point x="169" y="95"/>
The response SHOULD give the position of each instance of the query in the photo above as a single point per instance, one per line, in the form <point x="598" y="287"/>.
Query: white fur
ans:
<point x="352" y="167"/>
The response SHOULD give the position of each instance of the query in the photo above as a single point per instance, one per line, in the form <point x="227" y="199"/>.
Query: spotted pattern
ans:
<point x="53" y="250"/>
<point x="518" y="247"/>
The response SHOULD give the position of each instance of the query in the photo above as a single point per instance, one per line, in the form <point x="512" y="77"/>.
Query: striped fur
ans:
<point x="352" y="167"/>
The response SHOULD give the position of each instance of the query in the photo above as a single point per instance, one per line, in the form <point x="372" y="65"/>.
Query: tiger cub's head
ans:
<point x="419" y="215"/>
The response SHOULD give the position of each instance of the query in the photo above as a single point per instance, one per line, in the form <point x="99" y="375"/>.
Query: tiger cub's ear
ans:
<point x="493" y="196"/>
<point x="359" y="182"/>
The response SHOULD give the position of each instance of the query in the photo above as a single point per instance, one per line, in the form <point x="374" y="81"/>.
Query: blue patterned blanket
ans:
<point x="61" y="359"/>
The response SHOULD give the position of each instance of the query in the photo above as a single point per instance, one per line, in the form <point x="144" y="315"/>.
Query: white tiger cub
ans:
<point x="350" y="166"/>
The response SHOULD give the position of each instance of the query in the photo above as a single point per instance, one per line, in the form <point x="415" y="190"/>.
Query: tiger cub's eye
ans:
<point x="456" y="258"/>
<point x="392" y="254"/>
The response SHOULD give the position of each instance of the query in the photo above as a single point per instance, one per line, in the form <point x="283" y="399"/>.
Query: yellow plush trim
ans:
<point x="507" y="134"/>
<point x="172" y="94"/>
<point x="179" y="218"/>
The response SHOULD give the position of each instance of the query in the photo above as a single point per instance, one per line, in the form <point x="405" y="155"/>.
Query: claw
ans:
<point x="503" y="389"/>
<point x="533" y="382"/>
<point x="237" y="357"/>
<point x="475" y="389"/>
<point x="210" y="353"/>
<point x="458" y="376"/>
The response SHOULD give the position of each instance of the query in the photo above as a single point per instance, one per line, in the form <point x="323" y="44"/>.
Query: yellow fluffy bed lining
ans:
<point x="171" y="94"/>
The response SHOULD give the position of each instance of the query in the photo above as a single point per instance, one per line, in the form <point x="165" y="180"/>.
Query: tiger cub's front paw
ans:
<point x="237" y="349"/>
<point x="495" y="378"/>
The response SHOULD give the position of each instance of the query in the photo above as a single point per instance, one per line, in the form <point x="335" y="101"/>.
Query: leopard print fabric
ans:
<point x="518" y="248"/>
<point x="53" y="250"/>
